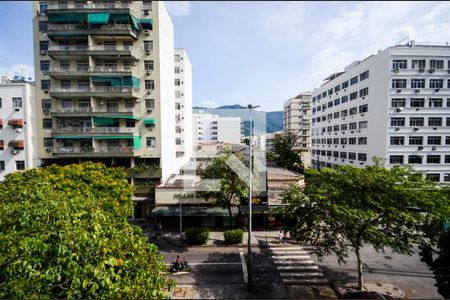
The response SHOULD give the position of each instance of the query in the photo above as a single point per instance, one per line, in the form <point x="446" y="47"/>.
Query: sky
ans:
<point x="263" y="53"/>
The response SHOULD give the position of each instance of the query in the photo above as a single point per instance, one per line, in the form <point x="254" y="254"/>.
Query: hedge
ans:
<point x="233" y="236"/>
<point x="197" y="236"/>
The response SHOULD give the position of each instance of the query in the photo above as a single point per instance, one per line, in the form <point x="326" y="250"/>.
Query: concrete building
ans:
<point x="394" y="105"/>
<point x="213" y="128"/>
<point x="17" y="127"/>
<point x="105" y="86"/>
<point x="297" y="119"/>
<point x="270" y="140"/>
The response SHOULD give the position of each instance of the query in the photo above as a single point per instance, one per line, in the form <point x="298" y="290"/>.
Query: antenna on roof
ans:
<point x="400" y="43"/>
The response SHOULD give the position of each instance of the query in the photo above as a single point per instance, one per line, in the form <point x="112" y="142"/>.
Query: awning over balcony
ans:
<point x="67" y="18"/>
<point x="98" y="18"/>
<point x="149" y="121"/>
<point x="146" y="23"/>
<point x="135" y="22"/>
<point x="15" y="122"/>
<point x="137" y="142"/>
<point x="193" y="211"/>
<point x="17" y="144"/>
<point x="117" y="81"/>
<point x="86" y="137"/>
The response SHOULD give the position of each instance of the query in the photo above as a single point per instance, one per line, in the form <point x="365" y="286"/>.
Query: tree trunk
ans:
<point x="231" y="217"/>
<point x="360" y="273"/>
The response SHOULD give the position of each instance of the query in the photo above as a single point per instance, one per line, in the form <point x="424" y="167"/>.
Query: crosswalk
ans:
<point x="295" y="266"/>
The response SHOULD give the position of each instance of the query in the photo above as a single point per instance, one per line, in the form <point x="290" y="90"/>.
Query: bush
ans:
<point x="233" y="236"/>
<point x="197" y="236"/>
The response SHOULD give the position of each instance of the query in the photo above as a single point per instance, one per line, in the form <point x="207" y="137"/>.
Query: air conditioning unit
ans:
<point x="48" y="149"/>
<point x="415" y="128"/>
<point x="19" y="130"/>
<point x="45" y="91"/>
<point x="352" y="131"/>
<point x="343" y="118"/>
<point x="431" y="71"/>
<point x="343" y="146"/>
<point x="343" y="160"/>
<point x="396" y="70"/>
<point x="398" y="109"/>
<point x="434" y="128"/>
<point x="101" y="103"/>
<point x="362" y="115"/>
<point x="397" y="129"/>
<point x="421" y="70"/>
<point x="148" y="72"/>
<point x="44" y="72"/>
<point x="433" y="148"/>
<point x="42" y="52"/>
<point x="420" y="148"/>
<point x="437" y="90"/>
<point x="138" y="100"/>
<point x="14" y="151"/>
<point x="150" y="129"/>
<point x="359" y="130"/>
<point x="149" y="111"/>
<point x="46" y="111"/>
<point x="146" y="12"/>
<point x="149" y="92"/>
<point x="148" y="52"/>
<point x="417" y="91"/>
<point x="147" y="32"/>
<point x="399" y="90"/>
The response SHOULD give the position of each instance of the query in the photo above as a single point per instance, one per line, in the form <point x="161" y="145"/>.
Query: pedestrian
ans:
<point x="280" y="237"/>
<point x="285" y="236"/>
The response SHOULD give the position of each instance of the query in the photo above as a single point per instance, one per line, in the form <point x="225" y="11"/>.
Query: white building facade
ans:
<point x="18" y="147"/>
<point x="394" y="105"/>
<point x="212" y="128"/>
<point x="297" y="119"/>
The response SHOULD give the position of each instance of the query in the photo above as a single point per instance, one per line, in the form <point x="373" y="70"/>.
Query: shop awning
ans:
<point x="15" y="122"/>
<point x="149" y="121"/>
<point x="18" y="144"/>
<point x="194" y="211"/>
<point x="98" y="18"/>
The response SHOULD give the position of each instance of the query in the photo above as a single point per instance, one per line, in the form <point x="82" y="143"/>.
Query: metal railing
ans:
<point x="65" y="5"/>
<point x="97" y="89"/>
<point x="92" y="150"/>
<point x="71" y="110"/>
<point x="94" y="130"/>
<point x="85" y="27"/>
<point x="133" y="50"/>
<point x="100" y="69"/>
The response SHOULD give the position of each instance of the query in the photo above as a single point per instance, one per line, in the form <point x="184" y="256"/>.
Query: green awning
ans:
<point x="149" y="121"/>
<point x="98" y="18"/>
<point x="194" y="211"/>
<point x="121" y="117"/>
<point x="146" y="21"/>
<point x="103" y="121"/>
<point x="135" y="82"/>
<point x="137" y="142"/>
<point x="118" y="80"/>
<point x="112" y="137"/>
<point x="135" y="22"/>
<point x="119" y="17"/>
<point x="87" y="137"/>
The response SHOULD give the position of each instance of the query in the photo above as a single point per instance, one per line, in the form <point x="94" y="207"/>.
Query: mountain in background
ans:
<point x="272" y="119"/>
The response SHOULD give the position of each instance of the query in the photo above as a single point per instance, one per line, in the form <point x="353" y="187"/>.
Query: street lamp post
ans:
<point x="249" y="240"/>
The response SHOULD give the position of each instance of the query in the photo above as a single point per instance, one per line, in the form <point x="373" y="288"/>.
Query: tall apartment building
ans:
<point x="17" y="127"/>
<point x="105" y="85"/>
<point x="394" y="105"/>
<point x="213" y="128"/>
<point x="297" y="119"/>
<point x="183" y="106"/>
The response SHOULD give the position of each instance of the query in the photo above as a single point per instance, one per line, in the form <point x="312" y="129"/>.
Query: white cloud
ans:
<point x="19" y="69"/>
<point x="179" y="8"/>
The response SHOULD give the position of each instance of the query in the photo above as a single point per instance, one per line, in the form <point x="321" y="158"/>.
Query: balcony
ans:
<point x="96" y="91"/>
<point x="61" y="7"/>
<point x="89" y="131"/>
<point x="90" y="111"/>
<point x="91" y="151"/>
<point x="70" y="72"/>
<point x="64" y="31"/>
<point x="105" y="51"/>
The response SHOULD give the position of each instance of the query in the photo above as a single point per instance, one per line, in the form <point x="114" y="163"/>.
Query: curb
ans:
<point x="259" y="244"/>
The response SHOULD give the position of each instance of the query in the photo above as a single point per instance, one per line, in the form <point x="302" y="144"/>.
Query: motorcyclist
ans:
<point x="178" y="262"/>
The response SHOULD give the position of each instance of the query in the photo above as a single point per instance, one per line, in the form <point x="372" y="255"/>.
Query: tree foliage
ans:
<point x="285" y="153"/>
<point x="343" y="207"/>
<point x="65" y="234"/>
<point x="232" y="187"/>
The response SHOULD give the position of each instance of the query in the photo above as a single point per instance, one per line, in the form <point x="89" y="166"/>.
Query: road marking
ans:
<point x="296" y="262"/>
<point x="244" y="265"/>
<point x="280" y="252"/>
<point x="212" y="263"/>
<point x="303" y="268"/>
<point x="278" y="257"/>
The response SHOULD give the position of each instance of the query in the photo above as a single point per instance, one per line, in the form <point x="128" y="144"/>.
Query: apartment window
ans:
<point x="47" y="123"/>
<point x="416" y="140"/>
<point x="436" y="64"/>
<point x="416" y="122"/>
<point x="43" y="45"/>
<point x="337" y="88"/>
<point x="363" y="108"/>
<point x="330" y="91"/>
<point x="354" y="80"/>
<point x="178" y="106"/>
<point x="418" y="64"/>
<point x="177" y="58"/>
<point x="151" y="142"/>
<point x="324" y="106"/>
<point x="2" y="165"/>
<point x="446" y="177"/>
<point x="336" y="140"/>
<point x="344" y="127"/>
<point x="336" y="154"/>
<point x="329" y="128"/>
<point x="343" y="141"/>
<point x="414" y="159"/>
<point x="149" y="84"/>
<point x="148" y="65"/>
<point x="45" y="84"/>
<point x="329" y="141"/>
<point x="364" y="76"/>
<point x="362" y="141"/>
<point x="434" y="122"/>
<point x="417" y="102"/>
<point x="149" y="103"/>
<point x="436" y="83"/>
<point x="351" y="155"/>
<point x="48" y="142"/>
<point x="448" y="85"/>
<point x="16" y="102"/>
<point x="344" y="155"/>
<point x="364" y="92"/>
<point x="336" y="115"/>
<point x="353" y="95"/>
<point x="398" y="102"/>
<point x="398" y="83"/>
<point x="344" y="113"/>
<point x="330" y="104"/>
<point x="352" y="141"/>
<point x="324" y="94"/>
<point x="447" y="159"/>
<point x="353" y="111"/>
<point x="178" y="141"/>
<point x="399" y="64"/>
<point x="329" y="153"/>
<point x="345" y="84"/>
<point x="397" y="121"/>
<point x="362" y="157"/>
<point x="447" y="140"/>
<point x="433" y="177"/>
<point x="20" y="165"/>
<point x="363" y="125"/>
<point x="397" y="140"/>
<point x="447" y="120"/>
<point x="177" y="70"/>
<point x="319" y="97"/>
<point x="337" y="101"/>
<point x="43" y="7"/>
<point x="148" y="46"/>
<point x="177" y="94"/>
<point x="417" y="83"/>
<point x="324" y="118"/>
<point x="0" y="102"/>
<point x="352" y="126"/>
<point x="336" y="128"/>
<point x="43" y="26"/>
<point x="434" y="140"/>
<point x="65" y="84"/>
<point x="177" y="82"/>
<point x="329" y="116"/>
<point x="433" y="102"/>
<point x="46" y="103"/>
<point x="396" y="159"/>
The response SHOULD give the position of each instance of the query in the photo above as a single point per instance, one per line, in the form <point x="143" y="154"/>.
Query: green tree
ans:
<point x="285" y="153"/>
<point x="232" y="187"/>
<point x="343" y="207"/>
<point x="65" y="234"/>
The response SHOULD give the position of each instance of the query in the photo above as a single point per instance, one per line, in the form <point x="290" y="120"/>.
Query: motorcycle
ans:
<point x="181" y="267"/>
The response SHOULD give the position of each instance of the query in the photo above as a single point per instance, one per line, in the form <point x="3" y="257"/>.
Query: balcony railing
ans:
<point x="97" y="29"/>
<point x="93" y="110"/>
<point x="93" y="48"/>
<point x="65" y="5"/>
<point x="97" y="89"/>
<point x="88" y="69"/>
<point x="68" y="150"/>
<point x="94" y="130"/>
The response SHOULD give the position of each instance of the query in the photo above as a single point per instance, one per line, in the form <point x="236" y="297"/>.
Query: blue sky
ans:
<point x="262" y="52"/>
